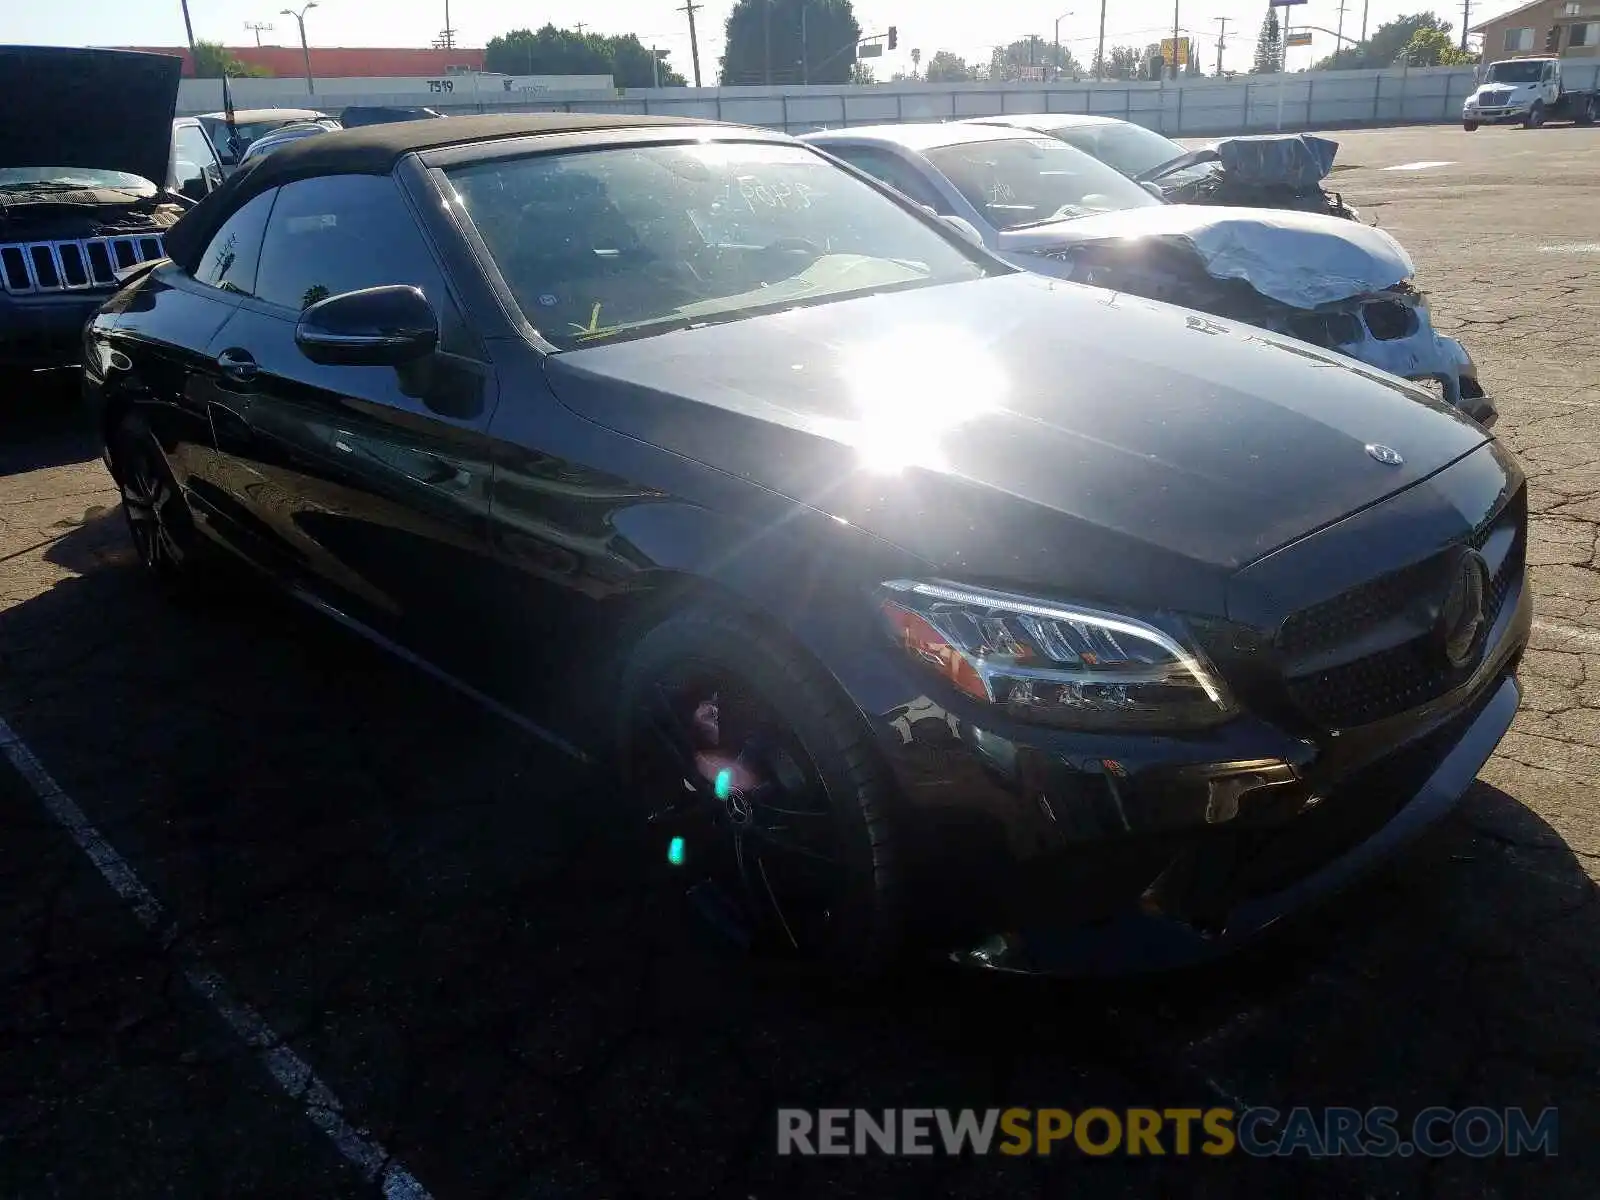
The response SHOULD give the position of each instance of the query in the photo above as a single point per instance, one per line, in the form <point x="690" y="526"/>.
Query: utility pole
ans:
<point x="1175" y="4"/>
<point x="691" y="8"/>
<point x="1466" y="18"/>
<point x="580" y="27"/>
<point x="766" y="42"/>
<point x="188" y="28"/>
<point x="655" y="67"/>
<point x="1222" y="42"/>
<point x="1366" y="7"/>
<point x="805" y="47"/>
<point x="1338" y="34"/>
<point x="256" y="27"/>
<point x="1100" y="51"/>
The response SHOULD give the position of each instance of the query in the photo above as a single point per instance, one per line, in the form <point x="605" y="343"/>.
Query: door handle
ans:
<point x="237" y="365"/>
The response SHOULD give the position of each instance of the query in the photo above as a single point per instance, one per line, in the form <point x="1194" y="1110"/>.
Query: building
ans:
<point x="343" y="62"/>
<point x="1570" y="28"/>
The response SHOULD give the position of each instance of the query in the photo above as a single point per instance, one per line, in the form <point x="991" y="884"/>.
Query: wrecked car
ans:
<point x="83" y="189"/>
<point x="1274" y="170"/>
<point x="1047" y="206"/>
<point x="248" y="125"/>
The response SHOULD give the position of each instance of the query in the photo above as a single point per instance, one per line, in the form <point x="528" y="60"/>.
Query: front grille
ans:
<point x="67" y="266"/>
<point x="1394" y="680"/>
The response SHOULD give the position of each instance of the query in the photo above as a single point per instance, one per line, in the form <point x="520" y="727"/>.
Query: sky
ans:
<point x="965" y="28"/>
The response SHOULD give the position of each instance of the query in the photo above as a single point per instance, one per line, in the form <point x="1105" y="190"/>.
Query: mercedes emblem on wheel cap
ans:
<point x="1387" y="455"/>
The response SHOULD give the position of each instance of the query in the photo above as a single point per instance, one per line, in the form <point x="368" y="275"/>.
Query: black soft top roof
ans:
<point x="374" y="150"/>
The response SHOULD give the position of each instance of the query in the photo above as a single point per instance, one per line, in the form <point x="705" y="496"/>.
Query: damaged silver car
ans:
<point x="1260" y="170"/>
<point x="1050" y="208"/>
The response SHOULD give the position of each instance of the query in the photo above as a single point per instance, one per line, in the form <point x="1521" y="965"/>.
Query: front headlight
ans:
<point x="1064" y="664"/>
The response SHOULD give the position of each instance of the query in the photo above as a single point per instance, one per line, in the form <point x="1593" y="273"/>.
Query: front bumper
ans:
<point x="1041" y="850"/>
<point x="46" y="330"/>
<point x="1500" y="114"/>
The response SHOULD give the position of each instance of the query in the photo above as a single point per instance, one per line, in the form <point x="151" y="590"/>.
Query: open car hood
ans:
<point x="108" y="110"/>
<point x="1300" y="259"/>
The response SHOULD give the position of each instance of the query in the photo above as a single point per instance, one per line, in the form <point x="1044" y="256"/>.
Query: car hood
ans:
<point x="1510" y="89"/>
<point x="1025" y="429"/>
<point x="1300" y="259"/>
<point x="89" y="109"/>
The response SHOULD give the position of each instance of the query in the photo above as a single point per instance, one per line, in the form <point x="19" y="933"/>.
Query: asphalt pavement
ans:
<point x="397" y="943"/>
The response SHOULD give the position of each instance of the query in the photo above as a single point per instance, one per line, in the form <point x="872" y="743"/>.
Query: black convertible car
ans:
<point x="920" y="603"/>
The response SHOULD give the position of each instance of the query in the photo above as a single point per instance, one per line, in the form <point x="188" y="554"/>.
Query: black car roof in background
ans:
<point x="374" y="150"/>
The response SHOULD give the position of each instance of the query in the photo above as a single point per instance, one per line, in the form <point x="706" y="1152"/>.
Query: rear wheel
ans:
<point x="1586" y="114"/>
<point x="761" y="779"/>
<point x="159" y="521"/>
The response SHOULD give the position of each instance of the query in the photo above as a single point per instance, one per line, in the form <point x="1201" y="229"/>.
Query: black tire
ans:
<point x="1586" y="114"/>
<point x="854" y="920"/>
<point x="159" y="522"/>
<point x="1470" y="126"/>
<point x="1535" y="117"/>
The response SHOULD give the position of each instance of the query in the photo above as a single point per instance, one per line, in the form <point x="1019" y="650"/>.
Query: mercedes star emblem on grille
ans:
<point x="1387" y="455"/>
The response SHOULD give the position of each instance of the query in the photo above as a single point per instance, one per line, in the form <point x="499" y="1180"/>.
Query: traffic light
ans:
<point x="894" y="36"/>
<point x="1552" y="39"/>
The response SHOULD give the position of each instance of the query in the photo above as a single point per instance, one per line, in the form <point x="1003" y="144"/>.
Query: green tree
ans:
<point x="213" y="60"/>
<point x="1433" y="48"/>
<point x="1025" y="56"/>
<point x="1269" y="46"/>
<point x="764" y="42"/>
<point x="1389" y="43"/>
<point x="945" y="67"/>
<point x="553" y="51"/>
<point x="1123" y="62"/>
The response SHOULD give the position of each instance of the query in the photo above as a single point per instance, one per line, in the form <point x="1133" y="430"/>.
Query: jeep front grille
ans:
<point x="70" y="266"/>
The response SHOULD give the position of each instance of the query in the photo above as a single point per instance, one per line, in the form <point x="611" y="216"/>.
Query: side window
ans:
<point x="229" y="262"/>
<point x="891" y="170"/>
<point x="342" y="233"/>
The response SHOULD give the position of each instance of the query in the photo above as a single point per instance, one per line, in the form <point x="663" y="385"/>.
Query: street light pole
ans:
<point x="305" y="48"/>
<point x="188" y="28"/>
<point x="1059" y="19"/>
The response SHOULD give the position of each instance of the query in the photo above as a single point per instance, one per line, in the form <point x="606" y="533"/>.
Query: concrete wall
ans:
<point x="1197" y="107"/>
<point x="473" y="91"/>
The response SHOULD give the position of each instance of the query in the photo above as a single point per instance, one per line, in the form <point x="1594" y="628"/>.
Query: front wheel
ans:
<point x="1535" y="117"/>
<point x="1470" y="126"/>
<point x="737" y="747"/>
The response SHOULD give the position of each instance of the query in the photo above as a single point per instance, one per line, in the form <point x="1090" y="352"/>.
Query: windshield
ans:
<point x="1131" y="149"/>
<point x="1029" y="181"/>
<point x="1516" y="72"/>
<point x="21" y="178"/>
<point x="607" y="244"/>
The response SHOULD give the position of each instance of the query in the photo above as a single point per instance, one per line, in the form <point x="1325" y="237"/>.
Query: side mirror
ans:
<point x="965" y="228"/>
<point x="376" y="327"/>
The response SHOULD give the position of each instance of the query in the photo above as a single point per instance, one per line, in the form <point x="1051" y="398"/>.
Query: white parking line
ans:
<point x="1572" y="248"/>
<point x="288" y="1069"/>
<point x="1419" y="166"/>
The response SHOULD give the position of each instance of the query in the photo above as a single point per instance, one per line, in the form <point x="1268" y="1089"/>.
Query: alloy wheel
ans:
<point x="154" y="511"/>
<point x="750" y="817"/>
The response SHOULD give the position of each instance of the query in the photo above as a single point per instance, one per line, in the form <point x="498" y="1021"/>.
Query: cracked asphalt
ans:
<point x="449" y="926"/>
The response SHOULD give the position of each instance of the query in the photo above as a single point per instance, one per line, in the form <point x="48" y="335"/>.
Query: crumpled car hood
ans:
<point x="1301" y="259"/>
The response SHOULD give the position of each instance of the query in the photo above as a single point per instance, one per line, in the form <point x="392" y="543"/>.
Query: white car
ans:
<point x="1050" y="208"/>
